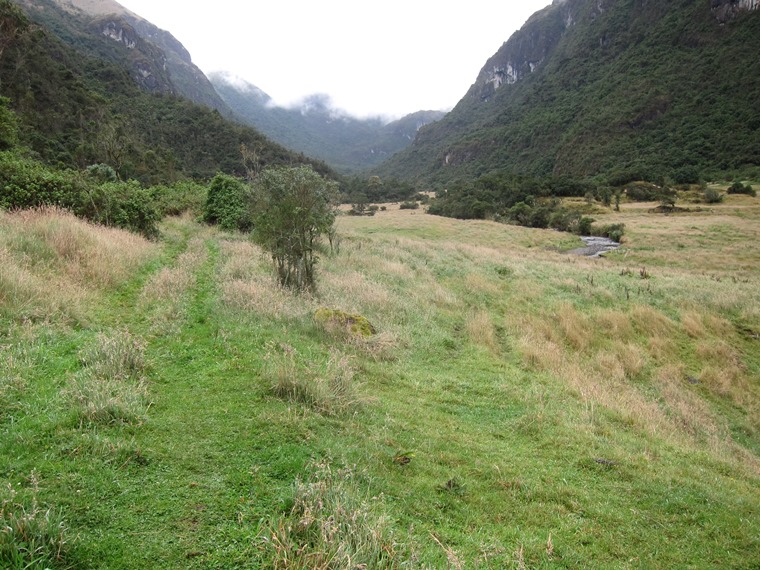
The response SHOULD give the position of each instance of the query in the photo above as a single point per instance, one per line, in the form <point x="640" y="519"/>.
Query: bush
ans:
<point x="614" y="232"/>
<point x="739" y="188"/>
<point x="292" y="209"/>
<point x="643" y="191"/>
<point x="409" y="205"/>
<point x="226" y="203"/>
<point x="712" y="196"/>
<point x="180" y="197"/>
<point x="29" y="184"/>
<point x="584" y="226"/>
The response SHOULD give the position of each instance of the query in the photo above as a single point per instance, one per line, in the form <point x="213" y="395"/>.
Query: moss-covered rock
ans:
<point x="354" y="325"/>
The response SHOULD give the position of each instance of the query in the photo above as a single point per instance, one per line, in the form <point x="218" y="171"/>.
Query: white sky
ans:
<point x="381" y="58"/>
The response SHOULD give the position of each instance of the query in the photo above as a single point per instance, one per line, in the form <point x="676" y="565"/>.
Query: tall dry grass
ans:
<point x="52" y="264"/>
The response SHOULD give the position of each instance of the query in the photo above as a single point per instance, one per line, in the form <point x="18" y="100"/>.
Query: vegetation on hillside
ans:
<point x="629" y="90"/>
<point x="314" y="127"/>
<point x="77" y="105"/>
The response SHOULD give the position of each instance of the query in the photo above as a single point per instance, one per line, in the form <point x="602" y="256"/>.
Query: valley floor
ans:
<point x="165" y="405"/>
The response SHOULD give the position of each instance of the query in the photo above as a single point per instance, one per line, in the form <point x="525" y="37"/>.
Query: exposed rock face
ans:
<point x="726" y="10"/>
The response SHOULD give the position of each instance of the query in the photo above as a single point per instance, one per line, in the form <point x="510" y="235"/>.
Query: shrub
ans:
<point x="614" y="232"/>
<point x="712" y="196"/>
<point x="28" y="184"/>
<point x="226" y="203"/>
<point x="739" y="188"/>
<point x="180" y="197"/>
<point x="643" y="191"/>
<point x="409" y="205"/>
<point x="292" y="209"/>
<point x="584" y="226"/>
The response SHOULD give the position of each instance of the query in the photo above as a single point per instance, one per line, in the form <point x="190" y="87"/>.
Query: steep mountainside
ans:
<point x="317" y="129"/>
<point x="83" y="98"/>
<point x="626" y="88"/>
<point x="157" y="61"/>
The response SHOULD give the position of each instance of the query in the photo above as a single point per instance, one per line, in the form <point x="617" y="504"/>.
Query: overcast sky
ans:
<point x="380" y="58"/>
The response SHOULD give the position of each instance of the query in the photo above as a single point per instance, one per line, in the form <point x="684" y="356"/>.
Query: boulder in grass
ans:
<point x="335" y="320"/>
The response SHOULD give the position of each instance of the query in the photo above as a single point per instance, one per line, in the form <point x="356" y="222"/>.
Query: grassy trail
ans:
<point x="518" y="408"/>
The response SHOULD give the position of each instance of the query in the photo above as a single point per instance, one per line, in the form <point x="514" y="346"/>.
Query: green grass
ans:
<point x="517" y="408"/>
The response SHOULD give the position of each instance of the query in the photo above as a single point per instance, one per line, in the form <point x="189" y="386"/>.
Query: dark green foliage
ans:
<point x="739" y="188"/>
<point x="102" y="173"/>
<point x="226" y="203"/>
<point x="8" y="126"/>
<point x="25" y="183"/>
<point x="522" y="200"/>
<point x="645" y="192"/>
<point x="78" y="104"/>
<point x="292" y="209"/>
<point x="409" y="205"/>
<point x="584" y="225"/>
<point x="686" y="175"/>
<point x="374" y="189"/>
<point x="180" y="197"/>
<point x="613" y="231"/>
<point x="632" y="91"/>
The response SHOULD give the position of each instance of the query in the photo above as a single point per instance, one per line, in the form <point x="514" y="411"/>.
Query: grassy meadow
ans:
<point x="166" y="405"/>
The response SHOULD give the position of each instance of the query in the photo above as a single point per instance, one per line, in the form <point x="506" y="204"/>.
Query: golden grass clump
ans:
<point x="328" y="388"/>
<point x="575" y="327"/>
<point x="650" y="322"/>
<point x="53" y="263"/>
<point x="332" y="525"/>
<point x="481" y="330"/>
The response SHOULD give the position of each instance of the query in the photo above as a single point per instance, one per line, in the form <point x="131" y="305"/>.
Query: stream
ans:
<point x="595" y="246"/>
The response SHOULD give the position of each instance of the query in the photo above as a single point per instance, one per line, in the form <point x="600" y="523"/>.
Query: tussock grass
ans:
<point x="111" y="388"/>
<point x="328" y="389"/>
<point x="248" y="284"/>
<point x="31" y="535"/>
<point x="333" y="524"/>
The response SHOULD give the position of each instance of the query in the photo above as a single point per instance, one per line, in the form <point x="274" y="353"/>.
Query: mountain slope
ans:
<point x="316" y="129"/>
<point x="80" y="101"/>
<point x="620" y="87"/>
<point x="157" y="61"/>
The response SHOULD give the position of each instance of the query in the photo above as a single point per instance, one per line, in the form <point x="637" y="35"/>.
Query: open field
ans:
<point x="165" y="405"/>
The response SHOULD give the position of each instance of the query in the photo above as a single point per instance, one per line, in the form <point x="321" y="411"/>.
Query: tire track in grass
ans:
<point x="199" y="499"/>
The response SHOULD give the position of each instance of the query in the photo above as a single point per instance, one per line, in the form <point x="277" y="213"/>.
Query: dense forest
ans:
<point x="626" y="90"/>
<point x="78" y="105"/>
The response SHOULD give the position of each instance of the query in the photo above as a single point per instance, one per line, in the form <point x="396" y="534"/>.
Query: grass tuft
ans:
<point x="111" y="389"/>
<point x="31" y="536"/>
<point x="332" y="525"/>
<point x="328" y="389"/>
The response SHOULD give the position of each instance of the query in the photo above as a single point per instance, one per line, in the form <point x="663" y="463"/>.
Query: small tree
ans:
<point x="292" y="208"/>
<point x="225" y="203"/>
